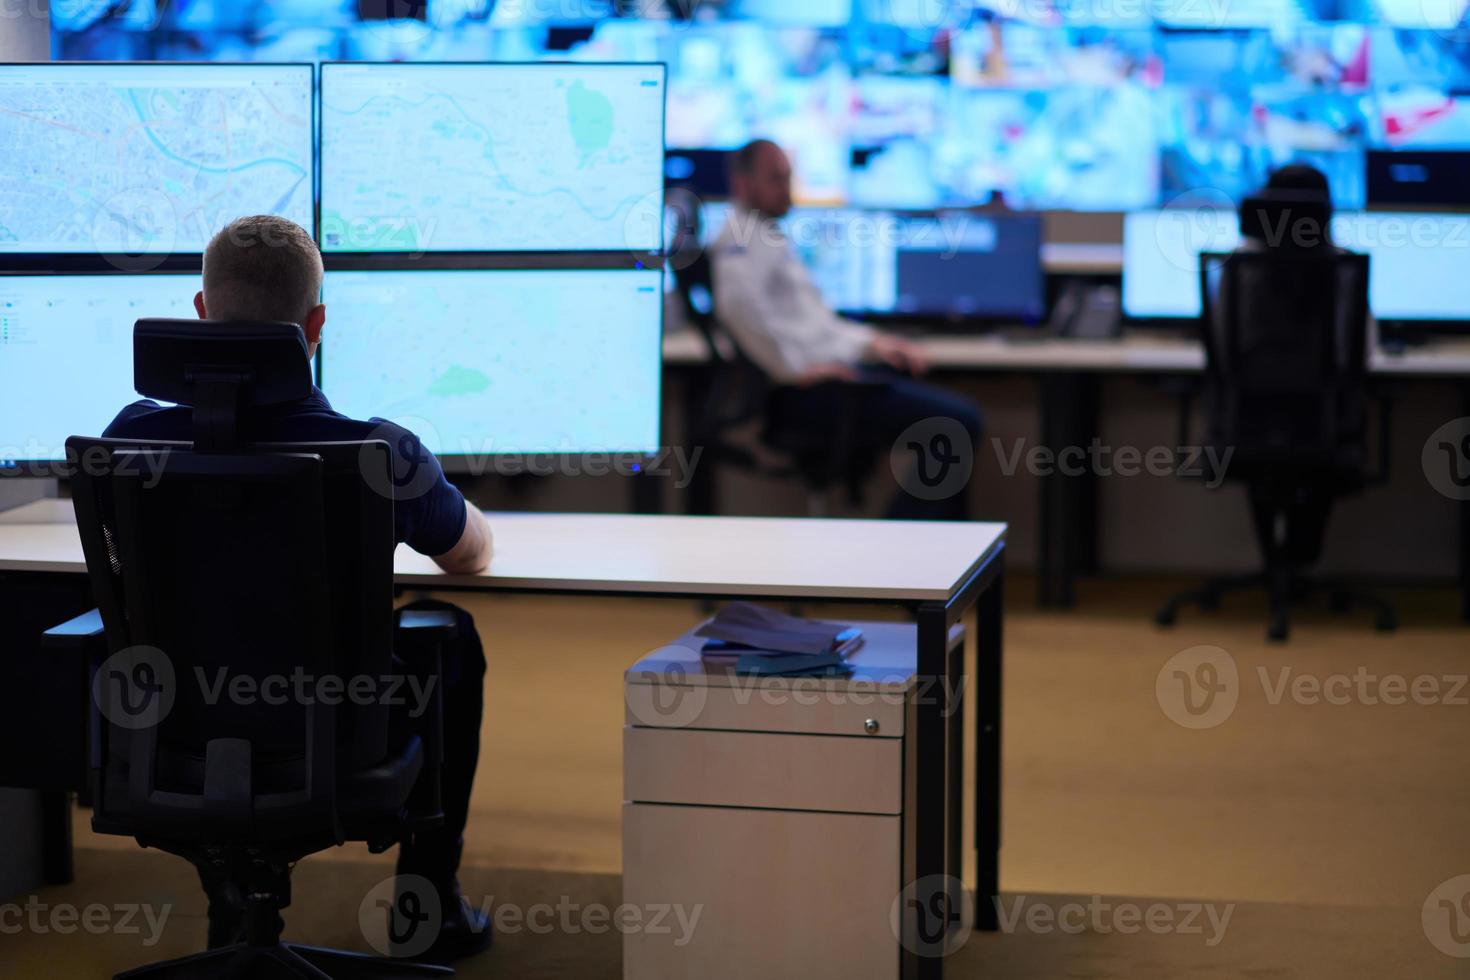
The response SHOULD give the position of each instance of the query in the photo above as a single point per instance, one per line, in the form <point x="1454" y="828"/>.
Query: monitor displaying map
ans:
<point x="500" y="362"/>
<point x="492" y="157"/>
<point x="149" y="159"/>
<point x="76" y="329"/>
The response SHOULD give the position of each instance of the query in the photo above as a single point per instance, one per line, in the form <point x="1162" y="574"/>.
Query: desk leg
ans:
<point x="954" y="776"/>
<point x="930" y="803"/>
<point x="936" y="757"/>
<point x="989" y="657"/>
<point x="1465" y="530"/>
<point x="1465" y="560"/>
<point x="56" y="853"/>
<point x="1046" y="531"/>
<point x="1067" y="536"/>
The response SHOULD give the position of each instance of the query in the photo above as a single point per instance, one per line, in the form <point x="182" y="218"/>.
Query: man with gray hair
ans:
<point x="267" y="269"/>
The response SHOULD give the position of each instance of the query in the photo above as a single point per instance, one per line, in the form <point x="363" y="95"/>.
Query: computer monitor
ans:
<point x="1417" y="264"/>
<point x="968" y="266"/>
<point x="1161" y="251"/>
<point x="483" y="363"/>
<point x="1415" y="271"/>
<point x="66" y="354"/>
<point x="1419" y="178"/>
<point x="544" y="157"/>
<point x="701" y="172"/>
<point x="952" y="266"/>
<point x="132" y="159"/>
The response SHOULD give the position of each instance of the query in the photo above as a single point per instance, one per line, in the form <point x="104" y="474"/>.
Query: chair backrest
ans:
<point x="246" y="586"/>
<point x="737" y="388"/>
<point x="1287" y="220"/>
<point x="1286" y="360"/>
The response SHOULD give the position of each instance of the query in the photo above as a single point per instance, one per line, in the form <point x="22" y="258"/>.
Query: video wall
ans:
<point x="926" y="104"/>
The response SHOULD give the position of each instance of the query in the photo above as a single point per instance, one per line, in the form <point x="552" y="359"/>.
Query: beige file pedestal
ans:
<point x="772" y="809"/>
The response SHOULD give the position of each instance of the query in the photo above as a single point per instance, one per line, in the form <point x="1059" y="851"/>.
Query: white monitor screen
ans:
<point x="1416" y="266"/>
<point x="1161" y="251"/>
<point x="149" y="159"/>
<point x="492" y="157"/>
<point x="504" y="362"/>
<point x="66" y="353"/>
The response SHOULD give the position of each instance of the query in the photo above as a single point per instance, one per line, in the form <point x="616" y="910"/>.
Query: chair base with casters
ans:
<point x="1283" y="593"/>
<point x="1289" y="548"/>
<point x="262" y="954"/>
<point x="286" y="960"/>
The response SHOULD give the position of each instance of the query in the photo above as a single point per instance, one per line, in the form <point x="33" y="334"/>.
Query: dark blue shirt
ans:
<point x="428" y="512"/>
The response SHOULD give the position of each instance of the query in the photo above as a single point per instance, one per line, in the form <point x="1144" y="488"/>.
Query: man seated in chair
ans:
<point x="268" y="269"/>
<point x="766" y="298"/>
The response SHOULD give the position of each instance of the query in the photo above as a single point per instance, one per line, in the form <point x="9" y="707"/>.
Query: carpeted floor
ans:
<point x="1320" y="829"/>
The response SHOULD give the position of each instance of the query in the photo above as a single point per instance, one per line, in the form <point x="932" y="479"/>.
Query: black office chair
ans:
<point x="1285" y="385"/>
<point x="229" y="560"/>
<point x="736" y="394"/>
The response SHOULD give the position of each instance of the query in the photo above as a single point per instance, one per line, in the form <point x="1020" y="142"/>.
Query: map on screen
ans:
<point x="66" y="353"/>
<point x="501" y="362"/>
<point x="491" y="158"/>
<point x="149" y="159"/>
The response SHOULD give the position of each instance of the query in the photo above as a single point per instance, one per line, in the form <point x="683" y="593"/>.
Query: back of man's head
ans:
<point x="262" y="268"/>
<point x="1300" y="178"/>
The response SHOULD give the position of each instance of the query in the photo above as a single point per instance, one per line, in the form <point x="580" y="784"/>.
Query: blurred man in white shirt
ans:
<point x="765" y="297"/>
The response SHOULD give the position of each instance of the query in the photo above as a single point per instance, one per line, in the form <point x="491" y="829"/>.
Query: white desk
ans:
<point x="938" y="571"/>
<point x="993" y="353"/>
<point x="856" y="560"/>
<point x="1138" y="353"/>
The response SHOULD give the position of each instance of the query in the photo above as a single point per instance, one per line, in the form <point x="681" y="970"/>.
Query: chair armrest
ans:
<point x="78" y="633"/>
<point x="428" y="625"/>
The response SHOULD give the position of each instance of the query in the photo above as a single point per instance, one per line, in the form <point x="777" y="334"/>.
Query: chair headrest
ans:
<point x="1287" y="219"/>
<point x="266" y="363"/>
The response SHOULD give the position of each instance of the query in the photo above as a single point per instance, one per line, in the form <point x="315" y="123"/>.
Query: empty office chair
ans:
<point x="735" y="395"/>
<point x="1285" y="333"/>
<point x="234" y="560"/>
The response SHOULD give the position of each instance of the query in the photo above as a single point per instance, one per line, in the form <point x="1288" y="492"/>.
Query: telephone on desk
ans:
<point x="1087" y="311"/>
<point x="1084" y="311"/>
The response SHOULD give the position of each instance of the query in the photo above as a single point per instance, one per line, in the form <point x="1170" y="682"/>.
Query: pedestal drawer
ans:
<point x="757" y="769"/>
<point x="769" y="894"/>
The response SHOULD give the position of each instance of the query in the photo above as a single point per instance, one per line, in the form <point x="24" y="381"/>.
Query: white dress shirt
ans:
<point x="765" y="297"/>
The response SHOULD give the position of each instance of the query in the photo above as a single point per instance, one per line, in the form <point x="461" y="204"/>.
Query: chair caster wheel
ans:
<point x="1278" y="631"/>
<point x="1387" y="622"/>
<point x="1166" y="617"/>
